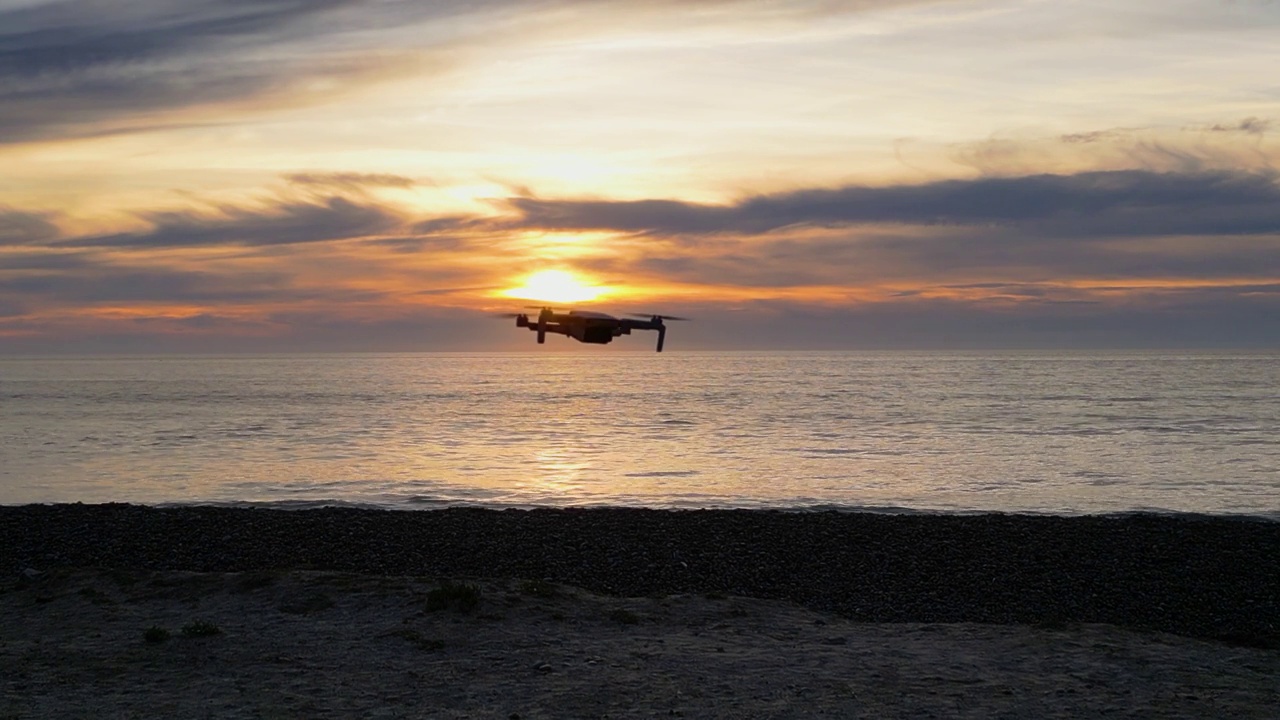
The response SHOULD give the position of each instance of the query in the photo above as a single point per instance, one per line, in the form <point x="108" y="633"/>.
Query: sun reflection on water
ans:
<point x="1071" y="433"/>
<point x="559" y="472"/>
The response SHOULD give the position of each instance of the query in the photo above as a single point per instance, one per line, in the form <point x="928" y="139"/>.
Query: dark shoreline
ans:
<point x="1201" y="576"/>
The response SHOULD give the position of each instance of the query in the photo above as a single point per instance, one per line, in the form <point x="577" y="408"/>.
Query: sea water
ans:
<point x="1009" y="431"/>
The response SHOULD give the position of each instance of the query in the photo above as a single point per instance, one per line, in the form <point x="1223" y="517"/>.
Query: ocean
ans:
<point x="1039" y="432"/>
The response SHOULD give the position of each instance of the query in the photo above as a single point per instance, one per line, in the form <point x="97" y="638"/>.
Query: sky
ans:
<point x="385" y="175"/>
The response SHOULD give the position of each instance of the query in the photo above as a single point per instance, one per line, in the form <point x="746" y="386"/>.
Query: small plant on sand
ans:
<point x="624" y="616"/>
<point x="539" y="588"/>
<point x="463" y="597"/>
<point x="155" y="634"/>
<point x="200" y="628"/>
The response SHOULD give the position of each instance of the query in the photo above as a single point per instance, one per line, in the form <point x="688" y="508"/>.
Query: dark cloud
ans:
<point x="1249" y="125"/>
<point x="1195" y="318"/>
<point x="413" y="245"/>
<point x="14" y="261"/>
<point x="448" y="224"/>
<point x="944" y="255"/>
<point x="1093" y="136"/>
<point x="48" y="39"/>
<point x="452" y="233"/>
<point x="11" y="307"/>
<point x="82" y="67"/>
<point x="25" y="228"/>
<point x="661" y="216"/>
<point x="350" y="181"/>
<point x="1130" y="202"/>
<point x="86" y="287"/>
<point x="438" y="292"/>
<point x="112" y="285"/>
<point x="1010" y="254"/>
<point x="1223" y="317"/>
<point x="284" y="223"/>
<point x="1225" y="146"/>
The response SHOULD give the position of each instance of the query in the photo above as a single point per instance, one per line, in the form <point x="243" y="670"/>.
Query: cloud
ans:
<point x="1107" y="202"/>
<point x="83" y="67"/>
<point x="663" y="216"/>
<point x="1236" y="146"/>
<point x="115" y="285"/>
<point x="284" y="222"/>
<point x="1124" y="225"/>
<point x="948" y="257"/>
<point x="350" y="181"/>
<point x="76" y="68"/>
<point x="25" y="228"/>
<point x="1186" y="320"/>
<point x="1192" y="318"/>
<point x="409" y="245"/>
<point x="1250" y="126"/>
<point x="13" y="261"/>
<point x="47" y="38"/>
<point x="11" y="308"/>
<point x="449" y="224"/>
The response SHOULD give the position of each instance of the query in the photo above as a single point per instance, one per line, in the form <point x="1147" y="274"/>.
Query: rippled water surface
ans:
<point x="1072" y="433"/>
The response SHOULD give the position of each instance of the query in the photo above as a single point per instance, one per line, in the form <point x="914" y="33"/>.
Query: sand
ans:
<point x="631" y="613"/>
<point x="329" y="645"/>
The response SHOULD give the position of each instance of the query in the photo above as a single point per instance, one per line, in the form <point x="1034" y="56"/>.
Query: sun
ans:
<point x="555" y="286"/>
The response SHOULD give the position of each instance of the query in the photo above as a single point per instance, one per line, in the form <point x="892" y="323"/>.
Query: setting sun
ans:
<point x="557" y="286"/>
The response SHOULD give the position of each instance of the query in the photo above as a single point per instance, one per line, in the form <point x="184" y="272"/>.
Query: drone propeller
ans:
<point x="506" y="315"/>
<point x="655" y="316"/>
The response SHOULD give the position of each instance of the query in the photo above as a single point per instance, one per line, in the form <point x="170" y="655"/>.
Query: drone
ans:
<point x="590" y="327"/>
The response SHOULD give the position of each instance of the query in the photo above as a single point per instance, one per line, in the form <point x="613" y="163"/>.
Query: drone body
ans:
<point x="590" y="327"/>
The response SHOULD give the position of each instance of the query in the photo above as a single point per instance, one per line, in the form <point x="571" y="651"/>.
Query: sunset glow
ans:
<point x="216" y="175"/>
<point x="555" y="286"/>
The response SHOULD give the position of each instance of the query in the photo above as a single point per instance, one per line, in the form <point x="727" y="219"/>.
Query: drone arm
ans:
<point x="662" y="336"/>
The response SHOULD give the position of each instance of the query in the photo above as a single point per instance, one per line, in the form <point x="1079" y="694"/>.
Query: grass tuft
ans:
<point x="539" y="588"/>
<point x="463" y="597"/>
<point x="155" y="634"/>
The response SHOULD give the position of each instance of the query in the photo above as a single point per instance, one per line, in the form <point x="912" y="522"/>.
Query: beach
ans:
<point x="633" y="613"/>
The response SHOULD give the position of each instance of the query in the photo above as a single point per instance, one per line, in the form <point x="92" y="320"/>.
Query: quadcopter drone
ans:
<point x="590" y="327"/>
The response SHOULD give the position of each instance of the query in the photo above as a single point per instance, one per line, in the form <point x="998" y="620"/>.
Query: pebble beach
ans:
<point x="1194" y="590"/>
<point x="1191" y="575"/>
